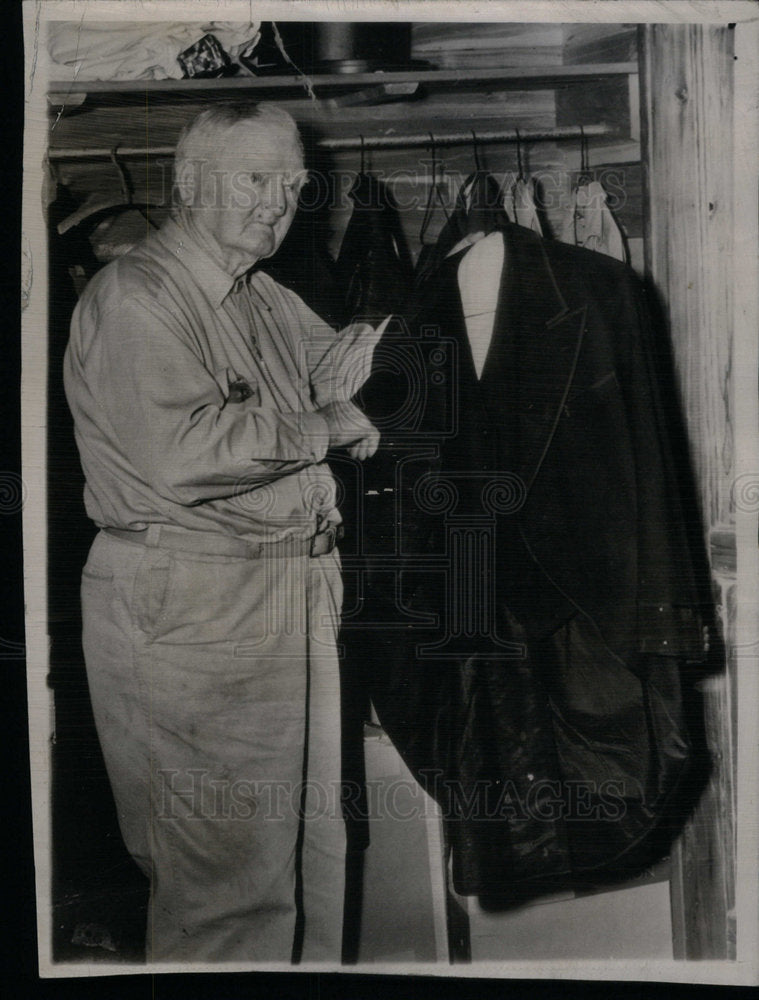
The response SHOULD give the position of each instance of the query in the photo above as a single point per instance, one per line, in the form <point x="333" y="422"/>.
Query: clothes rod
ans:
<point x="401" y="141"/>
<point x="465" y="138"/>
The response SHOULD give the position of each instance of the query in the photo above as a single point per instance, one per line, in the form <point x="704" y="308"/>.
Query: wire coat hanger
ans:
<point x="433" y="195"/>
<point x="585" y="174"/>
<point x="93" y="206"/>
<point x="520" y="165"/>
<point x="126" y="190"/>
<point x="476" y="151"/>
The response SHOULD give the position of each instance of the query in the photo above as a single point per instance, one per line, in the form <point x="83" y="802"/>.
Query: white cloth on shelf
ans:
<point x="129" y="51"/>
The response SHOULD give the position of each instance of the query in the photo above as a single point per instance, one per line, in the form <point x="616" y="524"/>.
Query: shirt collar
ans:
<point x="212" y="280"/>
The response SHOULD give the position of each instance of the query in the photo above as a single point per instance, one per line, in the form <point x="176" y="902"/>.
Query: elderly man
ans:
<point x="205" y="397"/>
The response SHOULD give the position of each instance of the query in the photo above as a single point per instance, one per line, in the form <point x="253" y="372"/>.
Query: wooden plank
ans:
<point x="162" y="122"/>
<point x="690" y="233"/>
<point x="586" y="44"/>
<point x="746" y="414"/>
<point x="518" y="76"/>
<point x="487" y="44"/>
<point x="599" y="42"/>
<point x="344" y="80"/>
<point x="605" y="100"/>
<point x="687" y="142"/>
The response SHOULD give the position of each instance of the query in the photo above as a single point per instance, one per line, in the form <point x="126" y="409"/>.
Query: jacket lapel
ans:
<point x="533" y="355"/>
<point x="534" y="350"/>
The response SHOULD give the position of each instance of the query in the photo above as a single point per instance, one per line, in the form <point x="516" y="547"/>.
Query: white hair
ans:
<point x="209" y="125"/>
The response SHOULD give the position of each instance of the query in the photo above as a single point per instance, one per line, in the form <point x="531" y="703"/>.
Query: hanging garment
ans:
<point x="373" y="269"/>
<point x="119" y="232"/>
<point x="590" y="222"/>
<point x="548" y="591"/>
<point x="304" y="265"/>
<point x="509" y="181"/>
<point x="373" y="277"/>
<point x="478" y="211"/>
<point x="395" y="387"/>
<point x="519" y="205"/>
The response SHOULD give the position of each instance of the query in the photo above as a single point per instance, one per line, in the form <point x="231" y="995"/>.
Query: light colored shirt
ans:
<point x="479" y="278"/>
<point x="525" y="212"/>
<point x="194" y="395"/>
<point x="590" y="223"/>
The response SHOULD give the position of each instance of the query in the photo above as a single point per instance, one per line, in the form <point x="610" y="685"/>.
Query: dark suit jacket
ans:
<point x="588" y="563"/>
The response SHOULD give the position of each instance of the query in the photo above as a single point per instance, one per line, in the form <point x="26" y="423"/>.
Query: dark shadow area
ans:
<point x="99" y="896"/>
<point x="19" y="940"/>
<point x="303" y="262"/>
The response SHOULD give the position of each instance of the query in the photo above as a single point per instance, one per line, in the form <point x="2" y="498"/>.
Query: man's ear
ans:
<point x="185" y="183"/>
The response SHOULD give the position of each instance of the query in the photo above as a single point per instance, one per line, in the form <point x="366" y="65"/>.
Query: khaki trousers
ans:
<point x="215" y="688"/>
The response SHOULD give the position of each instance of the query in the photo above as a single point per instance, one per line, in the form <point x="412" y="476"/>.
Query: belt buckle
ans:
<point x="324" y="541"/>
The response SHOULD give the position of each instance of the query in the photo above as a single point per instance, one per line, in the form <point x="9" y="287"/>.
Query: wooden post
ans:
<point x="687" y="78"/>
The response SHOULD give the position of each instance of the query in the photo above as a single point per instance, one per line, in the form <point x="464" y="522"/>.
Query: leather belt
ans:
<point x="214" y="543"/>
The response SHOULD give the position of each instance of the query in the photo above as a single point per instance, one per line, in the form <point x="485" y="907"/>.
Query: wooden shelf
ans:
<point x="76" y="92"/>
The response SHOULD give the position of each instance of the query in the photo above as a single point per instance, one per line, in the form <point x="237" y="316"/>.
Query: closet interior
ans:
<point x="572" y="122"/>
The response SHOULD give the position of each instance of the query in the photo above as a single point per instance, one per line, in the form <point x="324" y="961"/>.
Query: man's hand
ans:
<point x="366" y="447"/>
<point x="348" y="426"/>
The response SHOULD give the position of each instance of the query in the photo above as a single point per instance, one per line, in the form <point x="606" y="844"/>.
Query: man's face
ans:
<point x="249" y="191"/>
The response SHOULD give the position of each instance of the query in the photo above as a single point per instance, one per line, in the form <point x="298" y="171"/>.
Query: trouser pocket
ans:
<point x="152" y="588"/>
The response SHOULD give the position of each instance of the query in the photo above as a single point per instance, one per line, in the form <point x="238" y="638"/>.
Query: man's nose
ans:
<point x="274" y="199"/>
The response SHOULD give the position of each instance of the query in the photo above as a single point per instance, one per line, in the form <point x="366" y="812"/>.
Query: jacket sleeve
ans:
<point x="172" y="420"/>
<point x="672" y="588"/>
